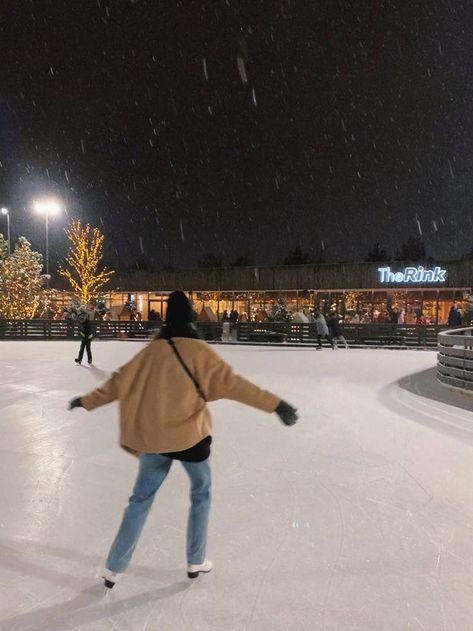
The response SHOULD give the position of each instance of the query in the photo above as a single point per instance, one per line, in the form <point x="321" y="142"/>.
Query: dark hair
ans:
<point x="179" y="316"/>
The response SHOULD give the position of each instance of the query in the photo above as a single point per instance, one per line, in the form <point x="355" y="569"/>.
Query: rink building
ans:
<point x="351" y="288"/>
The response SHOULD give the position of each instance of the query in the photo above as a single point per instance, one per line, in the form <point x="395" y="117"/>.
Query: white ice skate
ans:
<point x="193" y="571"/>
<point x="109" y="578"/>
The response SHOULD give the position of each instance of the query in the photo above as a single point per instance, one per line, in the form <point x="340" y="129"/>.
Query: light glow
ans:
<point x="47" y="207"/>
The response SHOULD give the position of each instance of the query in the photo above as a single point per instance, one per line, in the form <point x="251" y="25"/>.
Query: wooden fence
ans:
<point x="244" y="332"/>
<point x="355" y="334"/>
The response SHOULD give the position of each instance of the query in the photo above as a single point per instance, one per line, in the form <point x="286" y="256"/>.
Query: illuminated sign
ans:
<point x="412" y="275"/>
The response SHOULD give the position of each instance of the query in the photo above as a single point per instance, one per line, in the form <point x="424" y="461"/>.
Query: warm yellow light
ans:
<point x="82" y="269"/>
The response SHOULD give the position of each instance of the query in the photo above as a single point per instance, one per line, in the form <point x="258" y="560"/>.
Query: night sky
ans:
<point x="241" y="128"/>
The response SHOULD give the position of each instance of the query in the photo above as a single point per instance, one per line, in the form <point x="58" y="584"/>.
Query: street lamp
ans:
<point x="47" y="207"/>
<point x="5" y="212"/>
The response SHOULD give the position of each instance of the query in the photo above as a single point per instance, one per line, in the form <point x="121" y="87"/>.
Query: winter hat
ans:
<point x="179" y="310"/>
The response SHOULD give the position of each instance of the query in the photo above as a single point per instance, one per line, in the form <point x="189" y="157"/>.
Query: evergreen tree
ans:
<point x="3" y="247"/>
<point x="296" y="257"/>
<point x="377" y="253"/>
<point x="280" y="312"/>
<point x="210" y="260"/>
<point x="412" y="250"/>
<point x="241" y="261"/>
<point x="21" y="281"/>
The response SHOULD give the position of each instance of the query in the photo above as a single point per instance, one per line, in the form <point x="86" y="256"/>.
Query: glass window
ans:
<point x="429" y="306"/>
<point x="446" y="299"/>
<point x="413" y="307"/>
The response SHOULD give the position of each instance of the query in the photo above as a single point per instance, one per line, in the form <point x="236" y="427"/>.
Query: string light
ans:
<point x="82" y="261"/>
<point x="21" y="282"/>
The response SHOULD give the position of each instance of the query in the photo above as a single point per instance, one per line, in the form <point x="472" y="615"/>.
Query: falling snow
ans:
<point x="256" y="130"/>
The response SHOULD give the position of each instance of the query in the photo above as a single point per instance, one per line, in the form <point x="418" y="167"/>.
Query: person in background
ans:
<point x="355" y="319"/>
<point x="86" y="333"/>
<point x="260" y="315"/>
<point x="421" y="319"/>
<point x="394" y="316"/>
<point x="308" y="314"/>
<point x="225" y="317"/>
<point x="321" y="329"/>
<point x="335" y="330"/>
<point x="68" y="317"/>
<point x="454" y="316"/>
<point x="163" y="393"/>
<point x="410" y="317"/>
<point x="152" y="315"/>
<point x="383" y="317"/>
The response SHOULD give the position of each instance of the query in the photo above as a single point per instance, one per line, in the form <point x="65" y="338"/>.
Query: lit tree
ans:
<point x="21" y="281"/>
<point x="3" y="247"/>
<point x="280" y="312"/>
<point x="82" y="269"/>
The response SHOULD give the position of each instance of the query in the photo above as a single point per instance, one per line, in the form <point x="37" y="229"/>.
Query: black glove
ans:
<point x="75" y="403"/>
<point x="286" y="413"/>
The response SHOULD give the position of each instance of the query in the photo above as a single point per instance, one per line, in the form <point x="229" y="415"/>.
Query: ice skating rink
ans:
<point x="358" y="518"/>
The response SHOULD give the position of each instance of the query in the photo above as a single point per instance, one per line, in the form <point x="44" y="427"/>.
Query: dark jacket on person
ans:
<point x="334" y="327"/>
<point x="454" y="317"/>
<point x="86" y="331"/>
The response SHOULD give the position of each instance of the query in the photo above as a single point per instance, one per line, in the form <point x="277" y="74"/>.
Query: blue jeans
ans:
<point x="153" y="470"/>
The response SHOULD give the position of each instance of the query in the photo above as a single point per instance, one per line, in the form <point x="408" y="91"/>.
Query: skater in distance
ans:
<point x="163" y="393"/>
<point x="85" y="333"/>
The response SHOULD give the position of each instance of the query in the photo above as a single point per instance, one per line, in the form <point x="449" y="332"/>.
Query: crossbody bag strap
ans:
<point x="184" y="365"/>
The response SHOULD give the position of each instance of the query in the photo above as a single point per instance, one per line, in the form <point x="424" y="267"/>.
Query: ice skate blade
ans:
<point x="196" y="574"/>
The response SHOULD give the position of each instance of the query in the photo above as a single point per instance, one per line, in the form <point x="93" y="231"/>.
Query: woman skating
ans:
<point x="321" y="329"/>
<point x="335" y="330"/>
<point x="163" y="392"/>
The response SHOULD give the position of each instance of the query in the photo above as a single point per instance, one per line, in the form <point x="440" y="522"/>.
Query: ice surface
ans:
<point x="358" y="518"/>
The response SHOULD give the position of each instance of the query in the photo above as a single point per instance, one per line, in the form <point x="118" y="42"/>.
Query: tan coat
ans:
<point x="160" y="410"/>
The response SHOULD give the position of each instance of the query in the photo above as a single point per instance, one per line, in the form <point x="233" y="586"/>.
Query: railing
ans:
<point x="62" y="329"/>
<point x="455" y="358"/>
<point x="357" y="334"/>
<point x="405" y="335"/>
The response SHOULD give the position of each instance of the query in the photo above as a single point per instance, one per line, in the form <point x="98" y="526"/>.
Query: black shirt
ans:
<point x="197" y="453"/>
<point x="201" y="451"/>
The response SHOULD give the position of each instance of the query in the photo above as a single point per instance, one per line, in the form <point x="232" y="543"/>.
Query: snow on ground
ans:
<point x="358" y="518"/>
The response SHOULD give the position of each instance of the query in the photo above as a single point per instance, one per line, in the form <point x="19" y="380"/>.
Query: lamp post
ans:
<point x="47" y="207"/>
<point x="6" y="213"/>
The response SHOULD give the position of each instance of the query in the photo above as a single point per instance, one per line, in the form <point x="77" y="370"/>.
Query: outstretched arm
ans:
<point x="220" y="382"/>
<point x="106" y="393"/>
